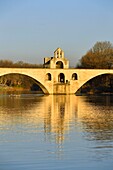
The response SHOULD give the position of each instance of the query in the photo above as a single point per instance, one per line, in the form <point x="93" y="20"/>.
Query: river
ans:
<point x="56" y="132"/>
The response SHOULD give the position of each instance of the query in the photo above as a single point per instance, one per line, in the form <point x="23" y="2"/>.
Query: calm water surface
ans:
<point x="56" y="132"/>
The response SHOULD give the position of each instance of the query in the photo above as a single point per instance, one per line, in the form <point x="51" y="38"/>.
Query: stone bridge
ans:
<point x="58" y="80"/>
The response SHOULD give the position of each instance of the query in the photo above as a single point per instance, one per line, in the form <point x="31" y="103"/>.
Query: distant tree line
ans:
<point x="19" y="64"/>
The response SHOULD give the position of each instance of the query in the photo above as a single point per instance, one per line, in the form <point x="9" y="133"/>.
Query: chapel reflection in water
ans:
<point x="60" y="110"/>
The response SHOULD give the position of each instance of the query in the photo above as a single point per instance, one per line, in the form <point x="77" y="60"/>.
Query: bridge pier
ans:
<point x="61" y="88"/>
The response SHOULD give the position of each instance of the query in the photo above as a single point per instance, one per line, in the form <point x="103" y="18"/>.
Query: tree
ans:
<point x="100" y="56"/>
<point x="19" y="64"/>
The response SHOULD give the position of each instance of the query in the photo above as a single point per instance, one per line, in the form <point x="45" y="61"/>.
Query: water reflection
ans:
<point x="56" y="115"/>
<point x="37" y="128"/>
<point x="96" y="115"/>
<point x="59" y="112"/>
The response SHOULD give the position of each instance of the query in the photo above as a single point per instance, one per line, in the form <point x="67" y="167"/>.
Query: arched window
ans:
<point x="59" y="64"/>
<point x="61" y="78"/>
<point x="48" y="77"/>
<point x="74" y="76"/>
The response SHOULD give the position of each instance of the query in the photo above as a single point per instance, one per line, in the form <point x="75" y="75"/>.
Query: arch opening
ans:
<point x="21" y="81"/>
<point x="48" y="77"/>
<point x="74" y="76"/>
<point x="61" y="78"/>
<point x="101" y="84"/>
<point x="59" y="64"/>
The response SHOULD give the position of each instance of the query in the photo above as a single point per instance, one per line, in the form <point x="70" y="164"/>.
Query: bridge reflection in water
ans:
<point x="55" y="116"/>
<point x="52" y="113"/>
<point x="59" y="111"/>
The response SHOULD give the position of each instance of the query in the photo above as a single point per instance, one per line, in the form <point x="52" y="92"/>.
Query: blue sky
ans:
<point x="32" y="29"/>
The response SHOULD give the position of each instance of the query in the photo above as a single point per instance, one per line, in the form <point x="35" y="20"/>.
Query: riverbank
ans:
<point x="5" y="89"/>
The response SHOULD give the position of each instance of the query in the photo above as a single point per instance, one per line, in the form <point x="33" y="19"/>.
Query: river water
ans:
<point x="56" y="132"/>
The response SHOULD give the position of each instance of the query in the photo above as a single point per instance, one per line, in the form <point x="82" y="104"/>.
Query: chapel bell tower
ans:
<point x="58" y="61"/>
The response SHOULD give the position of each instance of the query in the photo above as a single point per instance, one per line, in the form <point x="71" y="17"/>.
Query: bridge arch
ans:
<point x="44" y="89"/>
<point x="94" y="77"/>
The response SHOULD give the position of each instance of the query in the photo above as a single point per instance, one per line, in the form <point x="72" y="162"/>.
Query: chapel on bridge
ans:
<point x="58" y="61"/>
